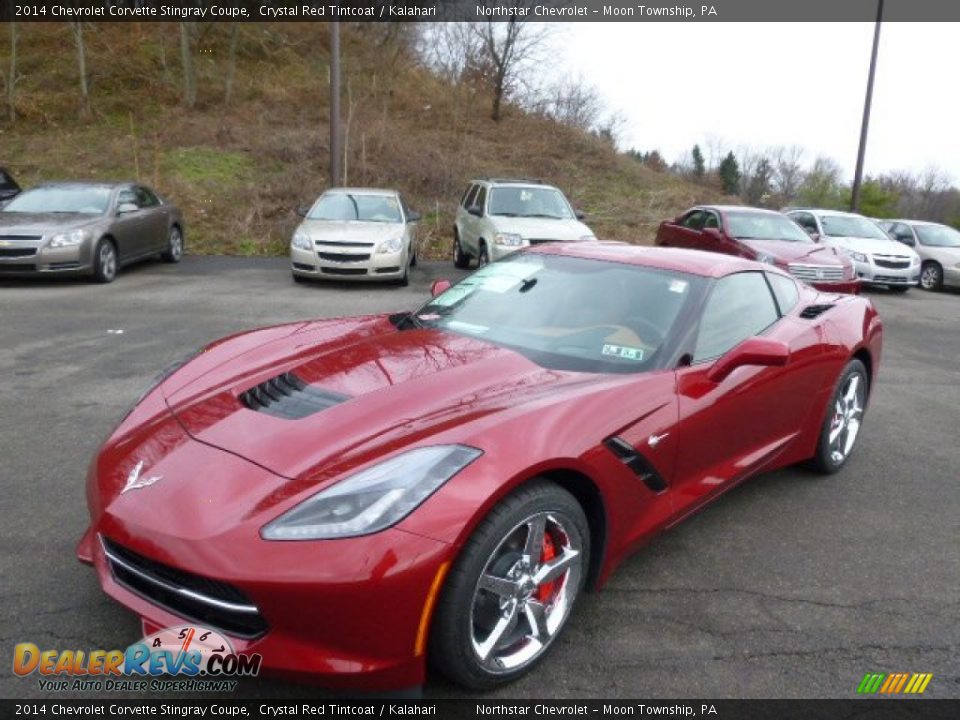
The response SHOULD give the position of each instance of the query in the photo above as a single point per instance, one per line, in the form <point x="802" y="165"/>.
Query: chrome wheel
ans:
<point x="525" y="592"/>
<point x="930" y="277"/>
<point x="107" y="259"/>
<point x="847" y="413"/>
<point x="176" y="245"/>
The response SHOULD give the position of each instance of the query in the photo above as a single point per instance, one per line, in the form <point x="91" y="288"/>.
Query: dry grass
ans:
<point x="239" y="170"/>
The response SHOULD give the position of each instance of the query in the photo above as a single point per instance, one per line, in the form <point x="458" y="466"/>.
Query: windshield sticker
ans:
<point x="678" y="286"/>
<point x="621" y="351"/>
<point x="453" y="295"/>
<point x="467" y="327"/>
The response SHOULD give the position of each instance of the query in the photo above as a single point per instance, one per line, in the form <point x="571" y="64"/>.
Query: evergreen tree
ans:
<point x="729" y="171"/>
<point x="699" y="166"/>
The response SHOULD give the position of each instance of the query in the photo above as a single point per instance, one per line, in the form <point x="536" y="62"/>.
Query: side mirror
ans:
<point x="302" y="210"/>
<point x="475" y="211"/>
<point x="438" y="287"/>
<point x="752" y="351"/>
<point x="580" y="214"/>
<point x="713" y="234"/>
<point x="414" y="216"/>
<point x="127" y="207"/>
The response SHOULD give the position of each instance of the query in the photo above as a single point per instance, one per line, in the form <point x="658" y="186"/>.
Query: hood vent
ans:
<point x="287" y="396"/>
<point x="640" y="466"/>
<point x="813" y="311"/>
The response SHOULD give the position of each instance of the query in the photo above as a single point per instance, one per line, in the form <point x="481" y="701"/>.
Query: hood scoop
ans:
<point x="813" y="311"/>
<point x="287" y="396"/>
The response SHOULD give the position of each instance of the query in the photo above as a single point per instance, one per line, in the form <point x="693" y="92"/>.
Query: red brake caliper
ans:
<point x="549" y="552"/>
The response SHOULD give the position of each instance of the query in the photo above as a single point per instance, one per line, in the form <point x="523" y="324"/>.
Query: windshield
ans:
<point x="763" y="226"/>
<point x="534" y="202"/>
<point x="356" y="207"/>
<point x="937" y="235"/>
<point x="82" y="200"/>
<point x="567" y="313"/>
<point x="851" y="226"/>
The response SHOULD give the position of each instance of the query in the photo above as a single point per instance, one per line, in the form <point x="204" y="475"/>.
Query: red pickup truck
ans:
<point x="762" y="235"/>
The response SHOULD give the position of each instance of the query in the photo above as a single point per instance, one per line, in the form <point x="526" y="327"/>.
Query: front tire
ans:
<point x="841" y="425"/>
<point x="460" y="259"/>
<point x="105" y="261"/>
<point x="931" y="276"/>
<point x="484" y="257"/>
<point x="174" y="251"/>
<point x="512" y="589"/>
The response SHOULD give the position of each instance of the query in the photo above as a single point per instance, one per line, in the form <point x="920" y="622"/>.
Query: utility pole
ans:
<point x="336" y="153"/>
<point x="858" y="174"/>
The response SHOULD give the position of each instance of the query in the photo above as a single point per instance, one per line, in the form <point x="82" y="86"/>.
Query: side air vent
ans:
<point x="287" y="396"/>
<point x="812" y="311"/>
<point x="640" y="466"/>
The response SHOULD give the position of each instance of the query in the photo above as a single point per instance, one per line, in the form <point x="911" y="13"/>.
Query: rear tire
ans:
<point x="460" y="258"/>
<point x="105" y="261"/>
<point x="484" y="257"/>
<point x="931" y="276"/>
<point x="842" y="420"/>
<point x="493" y="622"/>
<point x="174" y="252"/>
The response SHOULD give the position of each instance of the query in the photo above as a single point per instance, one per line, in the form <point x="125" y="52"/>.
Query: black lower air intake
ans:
<point x="287" y="396"/>
<point x="640" y="466"/>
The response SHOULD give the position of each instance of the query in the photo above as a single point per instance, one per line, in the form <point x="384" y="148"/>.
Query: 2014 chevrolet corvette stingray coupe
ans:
<point x="352" y="498"/>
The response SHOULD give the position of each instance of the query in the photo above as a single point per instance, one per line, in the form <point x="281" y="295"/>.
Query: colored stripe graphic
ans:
<point x="894" y="683"/>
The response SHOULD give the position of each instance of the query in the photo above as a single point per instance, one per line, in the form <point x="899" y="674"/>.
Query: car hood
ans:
<point x="870" y="245"/>
<point x="794" y="251"/>
<point x="349" y="231"/>
<point x="43" y="223"/>
<point x="384" y="390"/>
<point x="541" y="228"/>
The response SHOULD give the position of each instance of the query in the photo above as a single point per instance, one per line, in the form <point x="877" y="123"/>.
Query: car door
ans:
<point x="475" y="221"/>
<point x="155" y="221"/>
<point x="464" y="217"/>
<point x="410" y="228"/>
<point x="713" y="238"/>
<point x="128" y="226"/>
<point x="686" y="232"/>
<point x="731" y="427"/>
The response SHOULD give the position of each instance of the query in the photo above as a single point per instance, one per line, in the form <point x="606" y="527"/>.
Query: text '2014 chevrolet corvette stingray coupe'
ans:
<point x="351" y="498"/>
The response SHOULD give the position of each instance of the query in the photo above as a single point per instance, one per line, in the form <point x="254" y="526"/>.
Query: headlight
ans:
<point x="508" y="239"/>
<point x="859" y="257"/>
<point x="587" y="238"/>
<point x="373" y="499"/>
<point x="768" y="259"/>
<point x="302" y="241"/>
<point x="393" y="245"/>
<point x="69" y="239"/>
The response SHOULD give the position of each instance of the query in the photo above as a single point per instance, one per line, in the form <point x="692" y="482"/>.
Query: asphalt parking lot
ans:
<point x="792" y="585"/>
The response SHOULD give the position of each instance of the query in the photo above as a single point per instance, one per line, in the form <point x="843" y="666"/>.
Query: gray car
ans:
<point x="86" y="228"/>
<point x="937" y="245"/>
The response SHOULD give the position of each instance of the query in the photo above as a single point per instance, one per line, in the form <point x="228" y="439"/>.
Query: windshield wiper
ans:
<point x="544" y="215"/>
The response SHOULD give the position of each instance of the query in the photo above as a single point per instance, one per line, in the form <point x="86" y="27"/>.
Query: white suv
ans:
<point x="498" y="216"/>
<point x="877" y="258"/>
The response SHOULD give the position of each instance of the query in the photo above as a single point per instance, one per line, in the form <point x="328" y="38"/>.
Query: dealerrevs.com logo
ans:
<point x="182" y="658"/>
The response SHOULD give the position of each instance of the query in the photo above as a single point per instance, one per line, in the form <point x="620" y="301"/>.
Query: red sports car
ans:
<point x="353" y="497"/>
<point x="763" y="235"/>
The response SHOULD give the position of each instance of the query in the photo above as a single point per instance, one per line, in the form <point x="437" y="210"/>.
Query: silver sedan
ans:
<point x="92" y="229"/>
<point x="356" y="234"/>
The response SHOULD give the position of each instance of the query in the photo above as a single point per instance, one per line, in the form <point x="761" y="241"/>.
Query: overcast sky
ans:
<point x="778" y="84"/>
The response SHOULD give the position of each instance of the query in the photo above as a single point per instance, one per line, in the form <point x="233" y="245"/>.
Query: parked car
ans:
<point x="762" y="235"/>
<point x="498" y="216"/>
<point x="8" y="187"/>
<point x="353" y="497"/>
<point x="878" y="259"/>
<point x="356" y="234"/>
<point x="87" y="228"/>
<point x="937" y="245"/>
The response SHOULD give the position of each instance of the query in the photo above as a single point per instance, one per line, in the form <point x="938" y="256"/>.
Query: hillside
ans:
<point x="238" y="169"/>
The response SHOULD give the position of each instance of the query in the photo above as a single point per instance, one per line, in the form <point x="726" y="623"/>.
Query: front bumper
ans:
<point x="871" y="274"/>
<point x="844" y="287"/>
<point x="357" y="264"/>
<point x="32" y="258"/>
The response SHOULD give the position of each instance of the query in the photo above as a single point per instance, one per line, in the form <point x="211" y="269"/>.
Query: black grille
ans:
<point x="207" y="601"/>
<point x="17" y="267"/>
<point x="541" y="241"/>
<point x="18" y="252"/>
<point x="343" y="271"/>
<point x="303" y="266"/>
<point x="344" y="257"/>
<point x="322" y="243"/>
<point x="384" y="270"/>
<point x="812" y="311"/>
<point x="64" y="265"/>
<point x="287" y="396"/>
<point x="22" y="238"/>
<point x="892" y="264"/>
<point x="893" y="279"/>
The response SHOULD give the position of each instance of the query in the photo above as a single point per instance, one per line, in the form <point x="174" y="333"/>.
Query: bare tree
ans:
<point x="821" y="186"/>
<point x="77" y="28"/>
<point x="12" y="76"/>
<point x="231" y="61"/>
<point x="787" y="171"/>
<point x="507" y="49"/>
<point x="186" y="61"/>
<point x="716" y="150"/>
<point x="449" y="48"/>
<point x="573" y="102"/>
